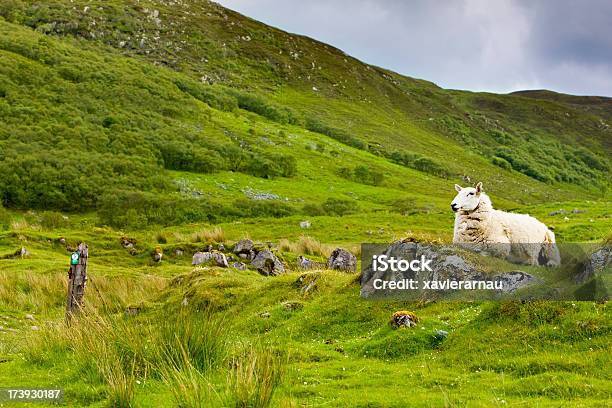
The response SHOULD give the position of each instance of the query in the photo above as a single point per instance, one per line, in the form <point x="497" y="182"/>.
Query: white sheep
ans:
<point x="517" y="237"/>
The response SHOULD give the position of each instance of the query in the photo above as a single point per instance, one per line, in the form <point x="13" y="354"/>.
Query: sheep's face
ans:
<point x="467" y="199"/>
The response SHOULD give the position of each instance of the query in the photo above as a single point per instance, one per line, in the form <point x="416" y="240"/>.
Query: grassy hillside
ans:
<point x="181" y="124"/>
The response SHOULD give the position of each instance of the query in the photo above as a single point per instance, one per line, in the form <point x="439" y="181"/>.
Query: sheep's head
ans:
<point x="467" y="199"/>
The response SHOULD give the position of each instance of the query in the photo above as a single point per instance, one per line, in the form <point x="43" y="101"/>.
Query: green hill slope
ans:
<point x="88" y="85"/>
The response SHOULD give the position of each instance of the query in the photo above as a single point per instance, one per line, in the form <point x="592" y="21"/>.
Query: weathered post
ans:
<point x="77" y="278"/>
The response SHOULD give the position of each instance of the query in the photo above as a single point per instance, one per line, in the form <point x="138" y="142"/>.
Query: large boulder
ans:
<point x="244" y="245"/>
<point x="447" y="263"/>
<point x="267" y="263"/>
<point x="343" y="260"/>
<point x="245" y="248"/>
<point x="216" y="258"/>
<point x="200" y="258"/>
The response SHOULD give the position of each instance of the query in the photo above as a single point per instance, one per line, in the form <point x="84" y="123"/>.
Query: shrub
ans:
<point x="261" y="208"/>
<point x="51" y="220"/>
<point x="501" y="162"/>
<point x="214" y="97"/>
<point x="340" y="207"/>
<point x="314" y="210"/>
<point x="257" y="104"/>
<point x="419" y="162"/>
<point x="5" y="219"/>
<point x="315" y="125"/>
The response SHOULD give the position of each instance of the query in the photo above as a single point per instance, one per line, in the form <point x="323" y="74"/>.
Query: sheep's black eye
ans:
<point x="470" y="194"/>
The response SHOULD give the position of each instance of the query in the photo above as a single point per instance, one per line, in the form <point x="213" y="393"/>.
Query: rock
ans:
<point x="178" y="253"/>
<point x="446" y="263"/>
<point x="264" y="315"/>
<point x="23" y="252"/>
<point x="244" y="246"/>
<point x="127" y="243"/>
<point x="132" y="310"/>
<point x="200" y="258"/>
<point x="221" y="248"/>
<point x="305" y="263"/>
<point x="293" y="305"/>
<point x="515" y="280"/>
<point x="267" y="263"/>
<point x="220" y="259"/>
<point x="241" y="266"/>
<point x="62" y="241"/>
<point x="343" y="260"/>
<point x="403" y="318"/>
<point x="29" y="317"/>
<point x="217" y="258"/>
<point x="441" y="334"/>
<point x="305" y="224"/>
<point x="561" y="211"/>
<point x="597" y="262"/>
<point x="34" y="328"/>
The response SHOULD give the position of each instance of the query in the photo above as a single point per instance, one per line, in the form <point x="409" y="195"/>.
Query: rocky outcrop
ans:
<point x="267" y="263"/>
<point x="342" y="260"/>
<point x="245" y="248"/>
<point x="216" y="258"/>
<point x="448" y="263"/>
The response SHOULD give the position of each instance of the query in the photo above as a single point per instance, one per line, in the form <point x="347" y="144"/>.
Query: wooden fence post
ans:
<point x="77" y="278"/>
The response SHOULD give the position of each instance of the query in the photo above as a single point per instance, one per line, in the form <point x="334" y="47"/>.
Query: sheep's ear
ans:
<point x="479" y="187"/>
<point x="457" y="187"/>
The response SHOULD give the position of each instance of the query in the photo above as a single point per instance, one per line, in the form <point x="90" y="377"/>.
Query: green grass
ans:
<point x="168" y="131"/>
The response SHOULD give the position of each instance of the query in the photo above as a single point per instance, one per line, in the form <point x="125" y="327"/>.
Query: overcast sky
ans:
<point x="491" y="45"/>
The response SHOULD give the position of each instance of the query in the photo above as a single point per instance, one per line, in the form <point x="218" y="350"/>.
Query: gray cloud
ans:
<point x="500" y="46"/>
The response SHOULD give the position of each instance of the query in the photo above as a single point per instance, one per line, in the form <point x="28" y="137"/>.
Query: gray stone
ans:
<point x="305" y="224"/>
<point x="200" y="258"/>
<point x="267" y="263"/>
<point x="30" y="317"/>
<point x="305" y="263"/>
<point x="244" y="246"/>
<point x="343" y="260"/>
<point x="597" y="262"/>
<point x="220" y="259"/>
<point x="441" y="334"/>
<point x="515" y="280"/>
<point x="239" y="265"/>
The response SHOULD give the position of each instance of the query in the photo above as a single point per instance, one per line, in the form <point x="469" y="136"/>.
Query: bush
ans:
<point x="256" y="104"/>
<point x="5" y="219"/>
<point x="244" y="207"/>
<point x="134" y="210"/>
<point x="362" y="174"/>
<point x="51" y="220"/>
<point x="314" y="210"/>
<point x="501" y="162"/>
<point x="214" y="97"/>
<point x="315" y="125"/>
<point x="419" y="162"/>
<point x="340" y="207"/>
